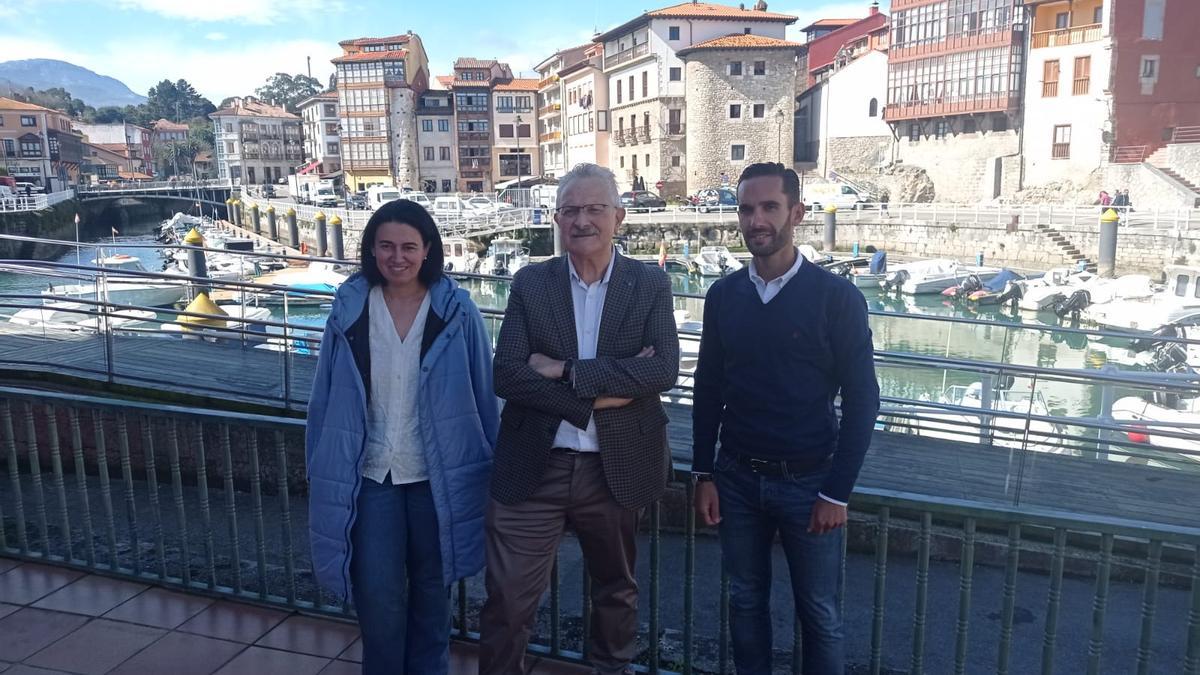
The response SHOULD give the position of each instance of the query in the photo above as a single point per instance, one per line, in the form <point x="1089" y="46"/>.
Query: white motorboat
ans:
<point x="459" y="255"/>
<point x="504" y="257"/>
<point x="716" y="261"/>
<point x="313" y="284"/>
<point x="1008" y="432"/>
<point x="1099" y="291"/>
<point x="124" y="289"/>
<point x="1037" y="295"/>
<point x="1147" y="423"/>
<point x="1178" y="303"/>
<point x="873" y="274"/>
<point x="933" y="276"/>
<point x="75" y="316"/>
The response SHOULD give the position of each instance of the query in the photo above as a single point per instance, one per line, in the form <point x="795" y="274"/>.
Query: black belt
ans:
<point x="781" y="467"/>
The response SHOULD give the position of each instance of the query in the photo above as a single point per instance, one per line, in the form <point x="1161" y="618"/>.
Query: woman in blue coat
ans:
<point x="401" y="426"/>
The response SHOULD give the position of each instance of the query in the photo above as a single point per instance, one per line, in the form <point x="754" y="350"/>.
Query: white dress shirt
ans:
<point x="767" y="290"/>
<point x="588" y="303"/>
<point x="394" y="446"/>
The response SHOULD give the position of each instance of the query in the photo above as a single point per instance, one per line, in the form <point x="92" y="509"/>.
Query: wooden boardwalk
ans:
<point x="231" y="372"/>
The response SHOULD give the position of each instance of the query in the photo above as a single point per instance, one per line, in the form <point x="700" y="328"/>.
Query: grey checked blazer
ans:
<point x="633" y="439"/>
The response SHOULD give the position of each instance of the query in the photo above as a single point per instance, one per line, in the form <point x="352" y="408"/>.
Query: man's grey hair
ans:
<point x="587" y="170"/>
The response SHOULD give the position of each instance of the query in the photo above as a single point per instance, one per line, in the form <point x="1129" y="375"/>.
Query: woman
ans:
<point x="401" y="425"/>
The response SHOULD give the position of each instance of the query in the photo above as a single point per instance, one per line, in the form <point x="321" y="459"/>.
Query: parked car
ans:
<point x="358" y="201"/>
<point x="713" y="199"/>
<point x="268" y="191"/>
<point x="642" y="201"/>
<point x="22" y="187"/>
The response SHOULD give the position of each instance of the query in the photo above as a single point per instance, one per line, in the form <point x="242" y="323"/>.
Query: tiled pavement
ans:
<point x="57" y="620"/>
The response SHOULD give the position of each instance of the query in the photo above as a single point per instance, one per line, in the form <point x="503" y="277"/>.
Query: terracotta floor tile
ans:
<point x="160" y="608"/>
<point x="234" y="621"/>
<point x="353" y="652"/>
<point x="181" y="654"/>
<point x="263" y="661"/>
<point x="96" y="648"/>
<point x="306" y="635"/>
<point x="5" y="610"/>
<point x="29" y="582"/>
<point x="91" y="595"/>
<point x="27" y="630"/>
<point x="342" y="668"/>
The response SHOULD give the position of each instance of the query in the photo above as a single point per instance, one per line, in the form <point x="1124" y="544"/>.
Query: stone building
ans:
<point x="741" y="90"/>
<point x="256" y="142"/>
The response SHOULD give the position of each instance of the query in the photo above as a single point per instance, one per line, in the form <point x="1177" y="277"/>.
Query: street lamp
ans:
<point x="779" y="135"/>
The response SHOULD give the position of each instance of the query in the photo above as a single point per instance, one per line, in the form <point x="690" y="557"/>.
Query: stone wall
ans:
<point x="962" y="166"/>
<point x="859" y="155"/>
<point x="403" y="125"/>
<point x="1184" y="159"/>
<point x="710" y="132"/>
<point x="1149" y="187"/>
<point x="57" y="222"/>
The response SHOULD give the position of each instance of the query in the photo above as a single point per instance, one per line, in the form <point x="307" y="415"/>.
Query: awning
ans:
<point x="332" y="176"/>
<point x="521" y="182"/>
<point x="309" y="168"/>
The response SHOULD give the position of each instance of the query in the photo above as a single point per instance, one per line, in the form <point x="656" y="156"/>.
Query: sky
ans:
<point x="230" y="47"/>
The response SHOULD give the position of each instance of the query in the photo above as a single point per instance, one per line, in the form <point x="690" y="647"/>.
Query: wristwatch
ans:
<point x="701" y="478"/>
<point x="568" y="366"/>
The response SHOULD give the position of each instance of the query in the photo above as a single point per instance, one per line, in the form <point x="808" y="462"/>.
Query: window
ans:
<point x="524" y="130"/>
<point x="443" y="125"/>
<point x="429" y="153"/>
<point x="645" y="84"/>
<point x="444" y="153"/>
<point x="228" y="128"/>
<point x="914" y="132"/>
<point x="330" y="110"/>
<point x="1098" y="14"/>
<point x="873" y="108"/>
<point x="1152" y="19"/>
<point x="426" y="125"/>
<point x="229" y="147"/>
<point x="1062" y="142"/>
<point x="735" y="68"/>
<point x="446" y="185"/>
<point x="737" y="152"/>
<point x="675" y="121"/>
<point x="759" y="110"/>
<point x="618" y="92"/>
<point x="941" y="129"/>
<point x="1083" y="76"/>
<point x="506" y="131"/>
<point x="622" y="162"/>
<point x="10" y="149"/>
<point x="514" y="165"/>
<point x="999" y="123"/>
<point x="31" y="149"/>
<point x="331" y="128"/>
<point x="331" y="149"/>
<point x="630" y="87"/>
<point x="760" y="67"/>
<point x="1050" y="79"/>
<point x="674" y="160"/>
<point x="673" y="33"/>
<point x="647" y="160"/>
<point x="969" y="126"/>
<point x="676" y="74"/>
<point x="1062" y="21"/>
<point x="746" y="30"/>
<point x="1149" y="67"/>
<point x="28" y="121"/>
<point x="735" y="111"/>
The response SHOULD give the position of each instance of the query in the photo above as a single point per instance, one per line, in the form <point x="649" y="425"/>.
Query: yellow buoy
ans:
<point x="203" y="305"/>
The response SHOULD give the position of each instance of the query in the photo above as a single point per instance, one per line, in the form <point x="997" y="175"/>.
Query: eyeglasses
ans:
<point x="572" y="212"/>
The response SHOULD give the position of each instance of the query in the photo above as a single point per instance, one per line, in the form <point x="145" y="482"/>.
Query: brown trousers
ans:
<point x="522" y="540"/>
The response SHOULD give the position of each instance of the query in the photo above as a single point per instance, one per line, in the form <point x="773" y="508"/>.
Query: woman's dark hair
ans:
<point x="409" y="213"/>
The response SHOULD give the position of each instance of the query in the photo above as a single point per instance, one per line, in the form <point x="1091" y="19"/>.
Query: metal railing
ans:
<point x="213" y="502"/>
<point x="178" y="184"/>
<point x="33" y="202"/>
<point x="1129" y="154"/>
<point x="630" y="54"/>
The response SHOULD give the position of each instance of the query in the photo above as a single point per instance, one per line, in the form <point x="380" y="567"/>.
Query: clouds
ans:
<point x="260" y="12"/>
<point x="215" y="36"/>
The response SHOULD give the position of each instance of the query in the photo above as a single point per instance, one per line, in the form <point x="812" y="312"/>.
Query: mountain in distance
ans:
<point x="91" y="88"/>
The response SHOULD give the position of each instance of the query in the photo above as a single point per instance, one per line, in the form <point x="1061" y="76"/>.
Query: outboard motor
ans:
<point x="1013" y="294"/>
<point x="967" y="286"/>
<point x="1147" y="343"/>
<point x="894" y="280"/>
<point x="878" y="264"/>
<point x="1073" y="304"/>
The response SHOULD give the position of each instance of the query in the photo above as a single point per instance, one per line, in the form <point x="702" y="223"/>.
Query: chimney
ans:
<point x="874" y="8"/>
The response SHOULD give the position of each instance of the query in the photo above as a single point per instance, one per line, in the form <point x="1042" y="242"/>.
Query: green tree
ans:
<point x="108" y="114"/>
<point x="200" y="129"/>
<point x="288" y="90"/>
<point x="177" y="158"/>
<point x="177" y="101"/>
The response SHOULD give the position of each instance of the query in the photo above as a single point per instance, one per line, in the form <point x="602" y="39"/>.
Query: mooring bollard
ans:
<point x="322" y="235"/>
<point x="335" y="223"/>
<point x="1108" y="244"/>
<point x="830" y="241"/>
<point x="272" y="224"/>
<point x="196" y="264"/>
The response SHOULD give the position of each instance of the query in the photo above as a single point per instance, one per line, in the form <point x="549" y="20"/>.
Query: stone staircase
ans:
<point x="1183" y="181"/>
<point x="1068" y="249"/>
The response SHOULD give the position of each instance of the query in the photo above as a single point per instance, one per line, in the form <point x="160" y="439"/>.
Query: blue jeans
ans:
<point x="396" y="576"/>
<point x="753" y="508"/>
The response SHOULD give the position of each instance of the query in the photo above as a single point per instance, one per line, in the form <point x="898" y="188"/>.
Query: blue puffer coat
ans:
<point x="459" y="420"/>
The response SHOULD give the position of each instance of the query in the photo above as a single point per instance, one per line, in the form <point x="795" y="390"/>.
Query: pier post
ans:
<point x="272" y="224"/>
<point x="255" y="219"/>
<point x="229" y="209"/>
<point x="322" y="235"/>
<point x="1108" y="244"/>
<point x="293" y="229"/>
<point x="196" y="265"/>
<point x="335" y="224"/>
<point x="830" y="239"/>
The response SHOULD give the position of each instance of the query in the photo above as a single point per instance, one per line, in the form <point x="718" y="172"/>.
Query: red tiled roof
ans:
<point x="115" y="148"/>
<point x="446" y="81"/>
<point x="168" y="125"/>
<point x="365" y="41"/>
<point x="828" y="23"/>
<point x="741" y="41"/>
<point x="12" y="104"/>
<point x="468" y="62"/>
<point x="711" y="10"/>
<point x="393" y="55"/>
<point x="251" y="107"/>
<point x="520" y="84"/>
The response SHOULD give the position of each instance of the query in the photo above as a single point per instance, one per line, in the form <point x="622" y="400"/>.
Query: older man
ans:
<point x="586" y="347"/>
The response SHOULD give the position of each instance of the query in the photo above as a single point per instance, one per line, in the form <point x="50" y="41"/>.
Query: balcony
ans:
<point x="474" y="136"/>
<point x="676" y="129"/>
<point x="1066" y="36"/>
<point x="643" y="134"/>
<point x="549" y="109"/>
<point x="618" y="137"/>
<point x="958" y="106"/>
<point x="547" y="81"/>
<point x="1060" y="151"/>
<point x="626" y="56"/>
<point x="953" y="44"/>
<point x="394" y="81"/>
<point x="550" y="137"/>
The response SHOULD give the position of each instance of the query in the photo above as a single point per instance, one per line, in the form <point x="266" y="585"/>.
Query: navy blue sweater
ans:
<point x="768" y="374"/>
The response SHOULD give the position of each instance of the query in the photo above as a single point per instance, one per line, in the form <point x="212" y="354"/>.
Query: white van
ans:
<point x="378" y="195"/>
<point x="544" y="196"/>
<point x="453" y="207"/>
<point x="817" y="196"/>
